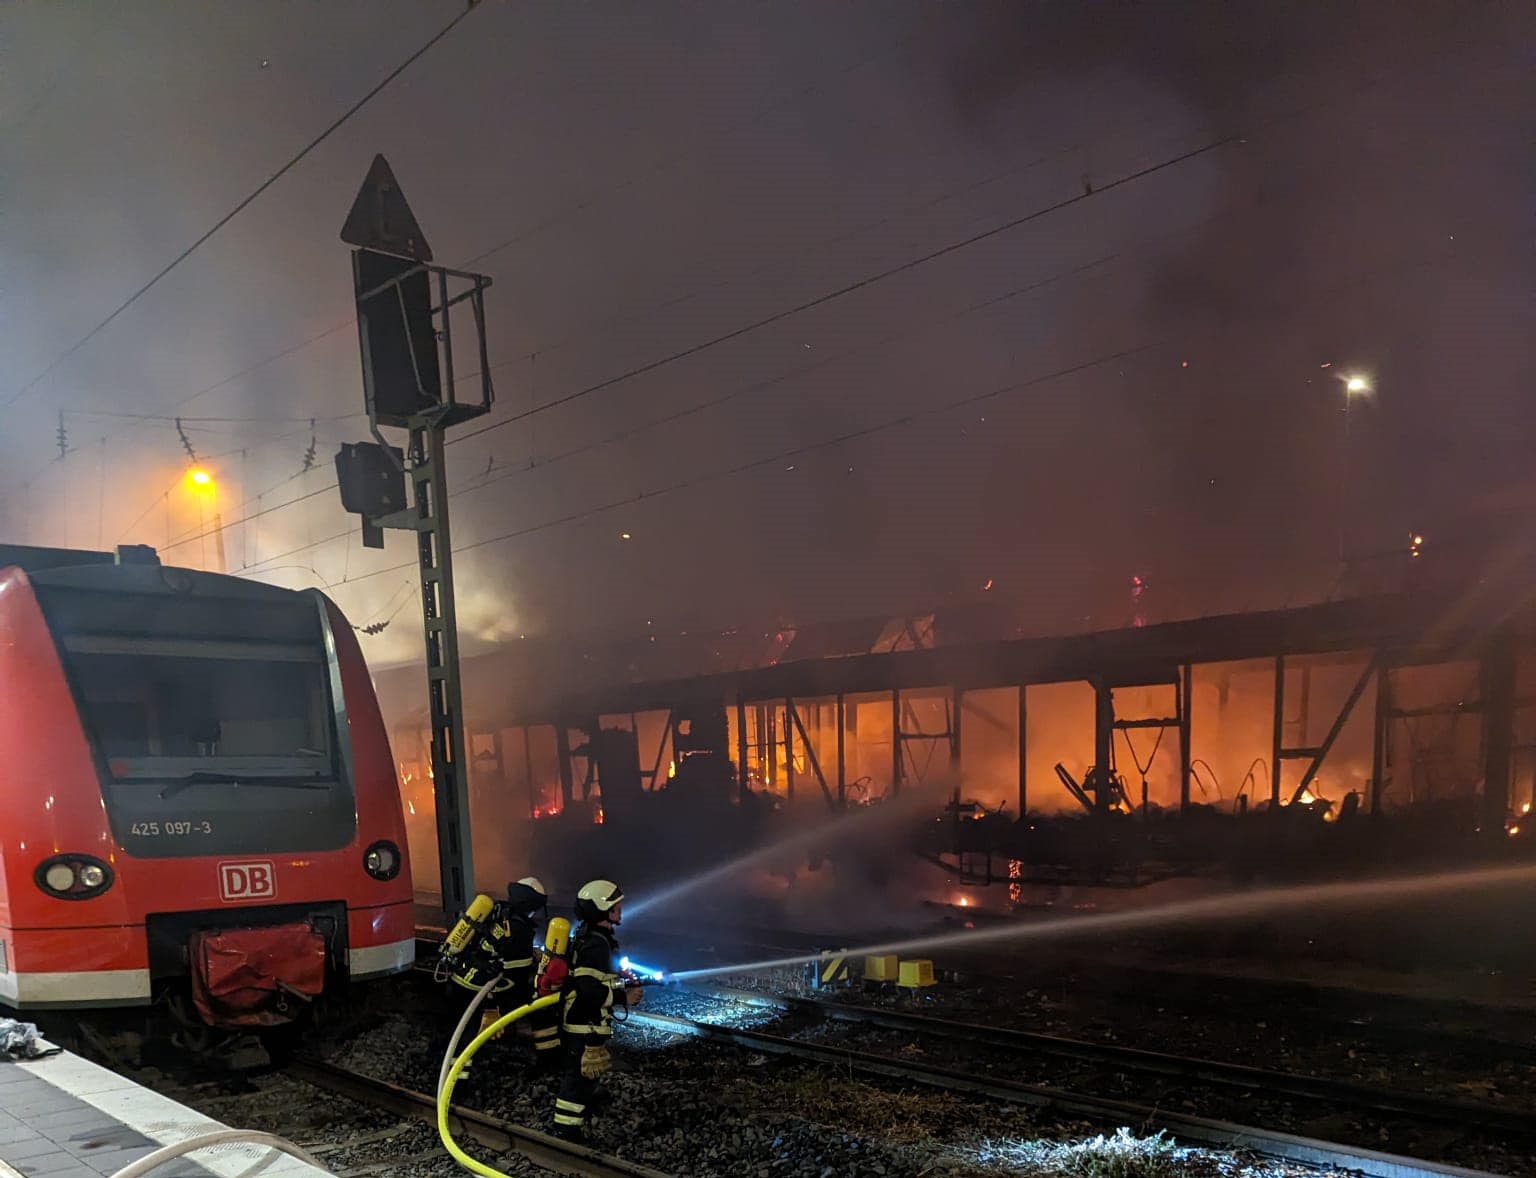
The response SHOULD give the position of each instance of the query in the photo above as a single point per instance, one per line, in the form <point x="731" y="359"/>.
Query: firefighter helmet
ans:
<point x="527" y="896"/>
<point x="598" y="899"/>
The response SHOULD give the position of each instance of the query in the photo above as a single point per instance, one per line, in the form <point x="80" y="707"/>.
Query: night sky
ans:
<point x="1237" y="205"/>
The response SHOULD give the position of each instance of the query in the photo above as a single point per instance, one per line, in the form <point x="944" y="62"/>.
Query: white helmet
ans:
<point x="598" y="899"/>
<point x="527" y="896"/>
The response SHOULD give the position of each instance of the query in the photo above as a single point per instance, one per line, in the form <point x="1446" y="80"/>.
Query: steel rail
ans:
<point x="1460" y="1113"/>
<point x="1287" y="1146"/>
<point x="543" y="1150"/>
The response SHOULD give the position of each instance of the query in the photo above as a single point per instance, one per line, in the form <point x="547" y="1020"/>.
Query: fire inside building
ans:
<point x="1338" y="736"/>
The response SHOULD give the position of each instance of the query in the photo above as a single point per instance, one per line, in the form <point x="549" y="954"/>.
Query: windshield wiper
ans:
<point x="207" y="777"/>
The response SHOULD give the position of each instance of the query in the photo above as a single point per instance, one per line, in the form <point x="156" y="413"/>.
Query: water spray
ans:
<point x="902" y="807"/>
<point x="643" y="973"/>
<point x="1256" y="903"/>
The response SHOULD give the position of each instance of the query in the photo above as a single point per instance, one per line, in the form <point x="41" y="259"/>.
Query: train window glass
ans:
<point x="212" y="747"/>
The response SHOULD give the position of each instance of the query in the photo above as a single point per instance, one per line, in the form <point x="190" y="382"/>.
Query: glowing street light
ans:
<point x="199" y="479"/>
<point x="1356" y="384"/>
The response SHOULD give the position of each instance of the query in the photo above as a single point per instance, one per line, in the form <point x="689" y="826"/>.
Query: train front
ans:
<point x="199" y="804"/>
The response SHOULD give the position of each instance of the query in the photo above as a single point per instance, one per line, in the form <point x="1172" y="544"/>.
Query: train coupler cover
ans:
<point x="256" y="977"/>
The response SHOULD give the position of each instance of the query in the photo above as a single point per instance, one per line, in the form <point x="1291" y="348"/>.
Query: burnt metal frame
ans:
<point x="795" y="724"/>
<point x="1179" y="720"/>
<point x="900" y="737"/>
<point x="1313" y="754"/>
<point x="1425" y="628"/>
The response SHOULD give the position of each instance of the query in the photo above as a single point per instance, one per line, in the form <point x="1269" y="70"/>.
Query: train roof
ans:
<point x="32" y="559"/>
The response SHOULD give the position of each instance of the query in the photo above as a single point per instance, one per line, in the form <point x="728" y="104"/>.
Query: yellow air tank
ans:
<point x="475" y="915"/>
<point x="557" y="937"/>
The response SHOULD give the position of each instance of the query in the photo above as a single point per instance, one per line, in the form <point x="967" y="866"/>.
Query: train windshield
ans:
<point x="213" y="747"/>
<point x="163" y="707"/>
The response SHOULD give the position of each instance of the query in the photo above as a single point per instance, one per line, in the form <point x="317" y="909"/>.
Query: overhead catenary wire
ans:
<point x="943" y="251"/>
<point x="1365" y="85"/>
<point x="611" y="381"/>
<point x="1355" y="281"/>
<point x="753" y="464"/>
<point x="574" y="336"/>
<point x="496" y="474"/>
<point x="533" y="231"/>
<point x="849" y="288"/>
<point x="798" y="451"/>
<point x="241" y="207"/>
<point x="868" y="280"/>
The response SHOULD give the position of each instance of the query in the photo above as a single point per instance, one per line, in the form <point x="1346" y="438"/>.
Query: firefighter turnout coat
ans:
<point x="586" y="998"/>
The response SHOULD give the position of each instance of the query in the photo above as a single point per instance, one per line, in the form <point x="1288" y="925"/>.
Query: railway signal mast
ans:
<point x="405" y="331"/>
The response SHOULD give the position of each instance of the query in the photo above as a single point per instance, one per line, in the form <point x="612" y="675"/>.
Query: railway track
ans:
<point x="1205" y="1130"/>
<point x="547" y="1152"/>
<point x="1462" y="1114"/>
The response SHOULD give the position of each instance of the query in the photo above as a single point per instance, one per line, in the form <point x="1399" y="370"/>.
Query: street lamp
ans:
<point x="1355" y="385"/>
<point x="200" y="482"/>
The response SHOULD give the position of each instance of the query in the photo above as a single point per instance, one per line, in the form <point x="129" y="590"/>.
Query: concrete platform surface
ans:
<point x="65" y="1117"/>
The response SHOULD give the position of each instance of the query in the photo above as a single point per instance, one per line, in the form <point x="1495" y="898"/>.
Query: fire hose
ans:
<point x="451" y="1075"/>
<point x="276" y="1145"/>
<point x="453" y="1066"/>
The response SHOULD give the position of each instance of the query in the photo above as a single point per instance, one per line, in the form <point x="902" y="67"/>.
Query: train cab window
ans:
<point x="213" y="747"/>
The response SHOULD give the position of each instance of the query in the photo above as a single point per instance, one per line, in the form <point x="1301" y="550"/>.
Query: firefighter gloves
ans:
<point x="595" y="1061"/>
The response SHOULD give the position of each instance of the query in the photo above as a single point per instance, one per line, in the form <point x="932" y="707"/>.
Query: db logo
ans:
<point x="246" y="881"/>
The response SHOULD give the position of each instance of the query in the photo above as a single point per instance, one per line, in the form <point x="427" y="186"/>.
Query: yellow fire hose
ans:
<point x="445" y="1089"/>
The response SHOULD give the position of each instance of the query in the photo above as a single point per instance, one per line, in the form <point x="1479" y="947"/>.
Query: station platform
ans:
<point x="64" y="1117"/>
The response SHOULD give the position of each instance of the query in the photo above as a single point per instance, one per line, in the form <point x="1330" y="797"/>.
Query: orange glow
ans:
<point x="1514" y="830"/>
<point x="200" y="480"/>
<point x="965" y="901"/>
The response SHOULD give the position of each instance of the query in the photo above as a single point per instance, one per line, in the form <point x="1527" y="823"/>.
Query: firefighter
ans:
<point x="496" y="938"/>
<point x="586" y="1005"/>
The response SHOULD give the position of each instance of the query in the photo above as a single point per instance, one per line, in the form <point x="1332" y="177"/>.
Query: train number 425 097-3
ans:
<point x="160" y="829"/>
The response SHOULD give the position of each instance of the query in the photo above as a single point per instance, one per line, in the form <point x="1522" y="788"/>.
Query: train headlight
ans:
<point x="382" y="860"/>
<point x="73" y="877"/>
<point x="59" y="878"/>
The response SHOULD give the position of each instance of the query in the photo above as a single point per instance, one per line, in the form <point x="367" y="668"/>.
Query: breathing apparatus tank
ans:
<point x="552" y="964"/>
<point x="473" y="920"/>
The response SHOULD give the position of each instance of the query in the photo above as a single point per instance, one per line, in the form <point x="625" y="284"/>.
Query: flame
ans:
<point x="1513" y="830"/>
<point x="671" y="769"/>
<point x="965" y="901"/>
<point x="597" y="815"/>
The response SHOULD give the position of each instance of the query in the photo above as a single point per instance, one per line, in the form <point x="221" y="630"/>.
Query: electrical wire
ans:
<point x="241" y="207"/>
<point x="943" y="251"/>
<point x="853" y="435"/>
<point x="905" y="266"/>
<point x="849" y="288"/>
<point x="753" y="464"/>
<point x="305" y="418"/>
<point x="531" y="232"/>
<point x="862" y="283"/>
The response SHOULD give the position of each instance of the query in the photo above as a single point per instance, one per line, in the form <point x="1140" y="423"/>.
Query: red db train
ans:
<point x="198" y="805"/>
